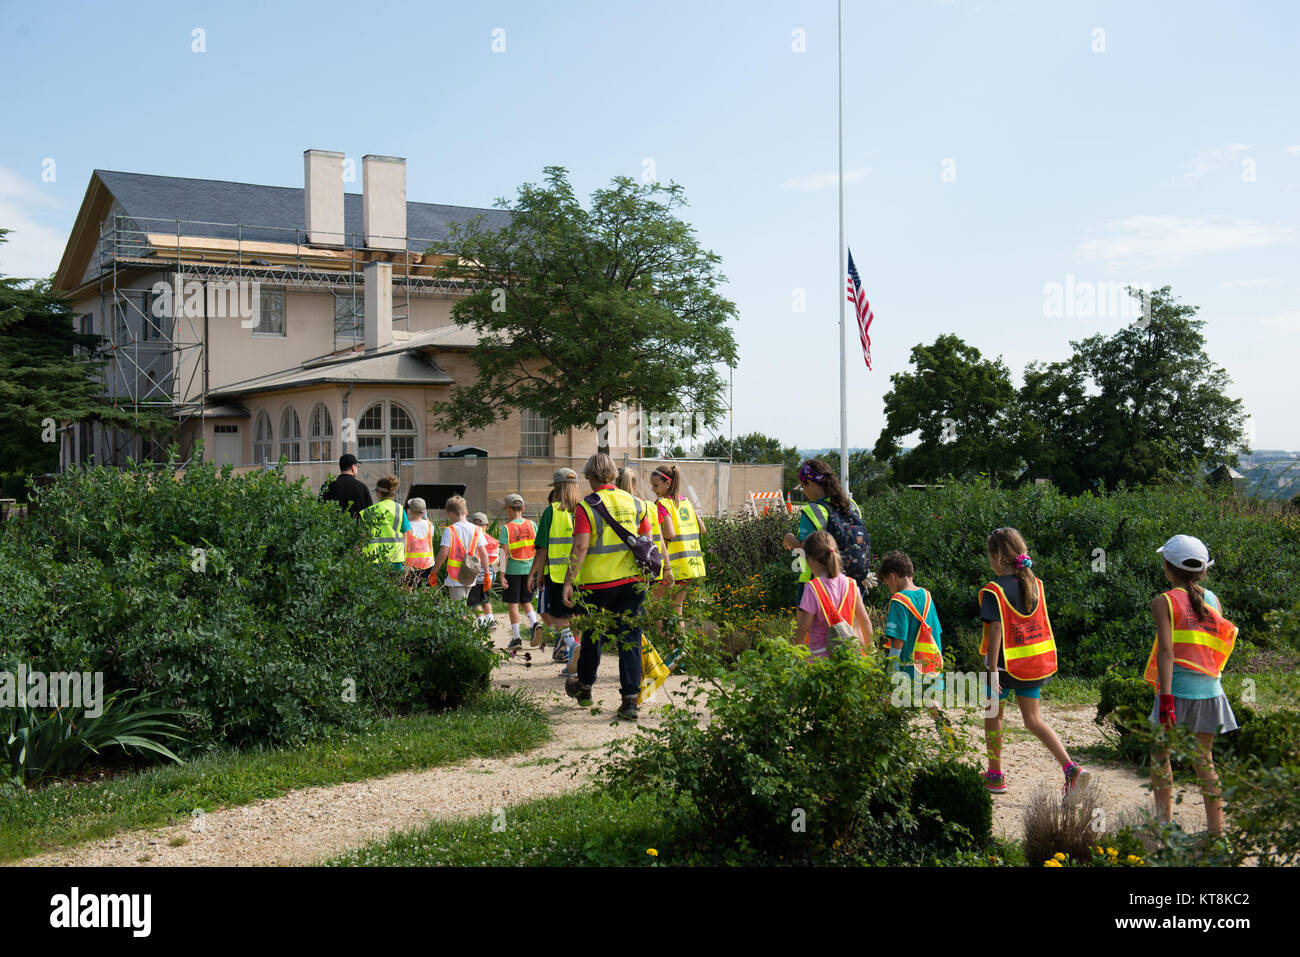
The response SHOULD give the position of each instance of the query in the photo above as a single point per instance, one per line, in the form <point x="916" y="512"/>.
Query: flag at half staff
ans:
<point x="858" y="296"/>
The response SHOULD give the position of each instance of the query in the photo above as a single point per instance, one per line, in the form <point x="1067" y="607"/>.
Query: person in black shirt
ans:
<point x="346" y="489"/>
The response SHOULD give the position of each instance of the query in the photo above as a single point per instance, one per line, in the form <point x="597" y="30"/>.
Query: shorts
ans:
<point x="457" y="592"/>
<point x="517" y="591"/>
<point x="555" y="606"/>
<point x="1021" y="689"/>
<point x="1200" y="715"/>
<point x="476" y="596"/>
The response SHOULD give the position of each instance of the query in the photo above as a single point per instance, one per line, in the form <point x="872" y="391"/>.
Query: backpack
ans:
<point x="851" y="538"/>
<point x="839" y="625"/>
<point x="470" y="565"/>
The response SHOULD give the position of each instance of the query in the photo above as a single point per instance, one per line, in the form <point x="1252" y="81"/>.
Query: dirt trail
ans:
<point x="306" y="826"/>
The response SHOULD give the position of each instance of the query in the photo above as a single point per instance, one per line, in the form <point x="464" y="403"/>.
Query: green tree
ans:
<point x="582" y="311"/>
<point x="48" y="373"/>
<point x="867" y="474"/>
<point x="959" y="403"/>
<point x="1143" y="404"/>
<point x="760" y="449"/>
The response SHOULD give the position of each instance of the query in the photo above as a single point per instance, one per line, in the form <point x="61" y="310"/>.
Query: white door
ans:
<point x="225" y="444"/>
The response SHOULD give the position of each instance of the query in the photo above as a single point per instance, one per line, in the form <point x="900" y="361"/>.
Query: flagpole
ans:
<point x="842" y="280"/>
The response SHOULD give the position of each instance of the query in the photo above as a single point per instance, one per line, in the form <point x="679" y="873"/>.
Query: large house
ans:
<point x="263" y="318"/>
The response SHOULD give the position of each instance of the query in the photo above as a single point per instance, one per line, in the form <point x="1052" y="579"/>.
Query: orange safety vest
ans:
<point x="924" y="651"/>
<point x="1028" y="647"/>
<point x="457" y="551"/>
<point x="493" y="549"/>
<point x="522" y="536"/>
<point x="834" y="616"/>
<point x="1202" y="645"/>
<point x="419" y="550"/>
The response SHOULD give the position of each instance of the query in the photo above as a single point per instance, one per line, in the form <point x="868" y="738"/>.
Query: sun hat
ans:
<point x="564" y="475"/>
<point x="478" y="518"/>
<point x="515" y="500"/>
<point x="1186" y="552"/>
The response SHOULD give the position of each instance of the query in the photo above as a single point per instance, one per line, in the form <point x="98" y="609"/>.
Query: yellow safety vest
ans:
<point x="818" y="517"/>
<point x="684" y="550"/>
<point x="559" y="544"/>
<point x="656" y="533"/>
<point x="386" y="542"/>
<point x="608" y="559"/>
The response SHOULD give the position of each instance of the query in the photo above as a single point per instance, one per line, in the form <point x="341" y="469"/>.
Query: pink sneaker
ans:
<point x="1076" y="776"/>
<point x="995" y="782"/>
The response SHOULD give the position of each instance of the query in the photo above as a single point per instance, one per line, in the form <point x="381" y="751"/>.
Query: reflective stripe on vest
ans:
<point x="656" y="533"/>
<point x="559" y="546"/>
<point x="522" y="537"/>
<point x="1028" y="648"/>
<point x="845" y="613"/>
<point x="419" y="550"/>
<point x="684" y="550"/>
<point x="924" y="650"/>
<point x="1200" y="644"/>
<point x="383" y="547"/>
<point x="608" y="559"/>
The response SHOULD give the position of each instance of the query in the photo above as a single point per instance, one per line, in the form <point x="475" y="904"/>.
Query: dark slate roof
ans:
<point x="279" y="210"/>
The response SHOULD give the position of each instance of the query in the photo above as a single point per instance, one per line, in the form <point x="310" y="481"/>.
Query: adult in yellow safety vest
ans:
<point x="610" y="581"/>
<point x="386" y="525"/>
<point x="823" y="491"/>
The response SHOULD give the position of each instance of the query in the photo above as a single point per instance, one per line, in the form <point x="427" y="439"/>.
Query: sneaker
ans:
<point x="515" y="644"/>
<point x="1076" y="776"/>
<point x="627" y="711"/>
<point x="561" y="652"/>
<point x="996" y="783"/>
<point x="537" y="637"/>
<point x="575" y="689"/>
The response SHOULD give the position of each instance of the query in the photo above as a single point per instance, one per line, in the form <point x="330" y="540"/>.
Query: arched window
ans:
<point x="320" y="435"/>
<point x="385" y="431"/>
<point x="262" y="438"/>
<point x="290" y="435"/>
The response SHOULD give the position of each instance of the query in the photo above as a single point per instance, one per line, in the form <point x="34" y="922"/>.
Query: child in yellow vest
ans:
<point x="1019" y="653"/>
<point x="682" y="531"/>
<point x="1193" y="643"/>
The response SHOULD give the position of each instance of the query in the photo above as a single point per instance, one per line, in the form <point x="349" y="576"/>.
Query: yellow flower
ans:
<point x="1133" y="859"/>
<point x="652" y="852"/>
<point x="1111" y="852"/>
<point x="1058" y="856"/>
<point x="1052" y="863"/>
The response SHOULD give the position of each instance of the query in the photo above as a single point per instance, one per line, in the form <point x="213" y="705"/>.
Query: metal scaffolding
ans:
<point x="158" y="358"/>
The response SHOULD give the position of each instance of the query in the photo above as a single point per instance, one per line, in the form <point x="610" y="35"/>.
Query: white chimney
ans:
<point x="379" y="305"/>
<point x="383" y="188"/>
<point x="323" y="193"/>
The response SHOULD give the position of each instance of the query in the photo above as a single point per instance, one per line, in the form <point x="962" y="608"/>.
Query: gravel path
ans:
<point x="307" y="826"/>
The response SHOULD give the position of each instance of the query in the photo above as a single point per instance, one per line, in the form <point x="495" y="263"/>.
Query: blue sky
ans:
<point x="1163" y="150"/>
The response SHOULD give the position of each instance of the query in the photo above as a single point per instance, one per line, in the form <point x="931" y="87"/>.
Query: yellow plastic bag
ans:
<point x="653" y="671"/>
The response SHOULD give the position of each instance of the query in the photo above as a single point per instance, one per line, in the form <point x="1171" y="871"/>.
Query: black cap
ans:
<point x="346" y="461"/>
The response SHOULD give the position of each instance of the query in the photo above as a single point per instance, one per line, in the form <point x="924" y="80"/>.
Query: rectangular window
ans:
<point x="370" y="448"/>
<point x="403" y="446"/>
<point x="535" y="434"/>
<point x="270" y="321"/>
<point x="349" y="317"/>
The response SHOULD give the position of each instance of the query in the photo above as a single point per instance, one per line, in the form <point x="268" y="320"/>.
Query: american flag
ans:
<point x="858" y="296"/>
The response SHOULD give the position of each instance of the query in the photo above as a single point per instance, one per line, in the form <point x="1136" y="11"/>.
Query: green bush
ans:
<point x="803" y="757"/>
<point x="961" y="804"/>
<point x="1125" y="706"/>
<point x="1271" y="738"/>
<point x="1096" y="555"/>
<point x="747" y="562"/>
<point x="240" y="600"/>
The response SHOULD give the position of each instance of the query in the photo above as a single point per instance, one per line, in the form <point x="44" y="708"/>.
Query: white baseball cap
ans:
<point x="1186" y="552"/>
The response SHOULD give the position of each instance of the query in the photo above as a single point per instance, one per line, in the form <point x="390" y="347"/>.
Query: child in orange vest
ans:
<point x="831" y="598"/>
<point x="1019" y="653"/>
<point x="913" y="629"/>
<point x="419" y="543"/>
<point x="484" y="609"/>
<point x="1193" y="643"/>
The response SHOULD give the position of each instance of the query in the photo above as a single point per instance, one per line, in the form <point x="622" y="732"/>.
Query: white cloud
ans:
<point x="1294" y="150"/>
<point x="1150" y="242"/>
<point x="1252" y="283"/>
<point x="1206" y="160"/>
<point x="33" y="249"/>
<point x="816" y="181"/>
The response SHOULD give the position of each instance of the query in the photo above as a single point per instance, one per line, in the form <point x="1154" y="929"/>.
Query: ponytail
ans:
<point x="820" y="547"/>
<point x="1009" y="548"/>
<point x="1191" y="581"/>
<point x="673" y="477"/>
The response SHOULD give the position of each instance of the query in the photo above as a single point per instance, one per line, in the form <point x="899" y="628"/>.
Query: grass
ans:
<point x="60" y="815"/>
<point x="585" y="827"/>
